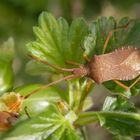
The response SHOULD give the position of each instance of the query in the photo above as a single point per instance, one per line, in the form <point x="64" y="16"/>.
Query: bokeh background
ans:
<point x="17" y="17"/>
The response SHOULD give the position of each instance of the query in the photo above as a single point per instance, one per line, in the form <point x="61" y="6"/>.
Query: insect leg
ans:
<point x="110" y="35"/>
<point x="121" y="84"/>
<point x="51" y="65"/>
<point x="136" y="81"/>
<point x="52" y="83"/>
<point x="125" y="86"/>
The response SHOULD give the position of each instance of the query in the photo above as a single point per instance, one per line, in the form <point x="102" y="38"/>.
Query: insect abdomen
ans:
<point x="121" y="64"/>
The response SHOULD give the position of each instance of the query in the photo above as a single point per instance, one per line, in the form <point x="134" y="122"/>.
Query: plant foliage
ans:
<point x="58" y="113"/>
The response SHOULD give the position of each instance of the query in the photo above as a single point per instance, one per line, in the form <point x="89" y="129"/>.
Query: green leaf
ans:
<point x="56" y="41"/>
<point x="129" y="36"/>
<point x="119" y="123"/>
<point x="39" y="101"/>
<point x="6" y="70"/>
<point x="49" y="125"/>
<point x="99" y="30"/>
<point x="118" y="104"/>
<point x="118" y="116"/>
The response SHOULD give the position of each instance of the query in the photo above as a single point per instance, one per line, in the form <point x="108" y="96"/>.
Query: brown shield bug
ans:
<point x="121" y="64"/>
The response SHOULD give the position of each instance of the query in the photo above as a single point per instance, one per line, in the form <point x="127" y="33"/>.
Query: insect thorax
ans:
<point x="82" y="71"/>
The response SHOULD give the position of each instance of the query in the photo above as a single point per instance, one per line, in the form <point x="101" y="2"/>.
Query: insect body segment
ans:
<point x="121" y="64"/>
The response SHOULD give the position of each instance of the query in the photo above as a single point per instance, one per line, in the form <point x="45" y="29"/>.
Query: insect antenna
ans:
<point x="69" y="77"/>
<point x="51" y="65"/>
<point x="72" y="76"/>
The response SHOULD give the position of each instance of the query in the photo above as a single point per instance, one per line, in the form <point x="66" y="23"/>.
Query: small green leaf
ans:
<point x="127" y="124"/>
<point x="50" y="125"/>
<point x="131" y="35"/>
<point x="118" y="104"/>
<point x="118" y="123"/>
<point x="118" y="116"/>
<point x="99" y="30"/>
<point x="78" y="30"/>
<point x="57" y="42"/>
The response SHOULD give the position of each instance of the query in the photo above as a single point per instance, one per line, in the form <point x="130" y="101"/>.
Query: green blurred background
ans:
<point x="17" y="17"/>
